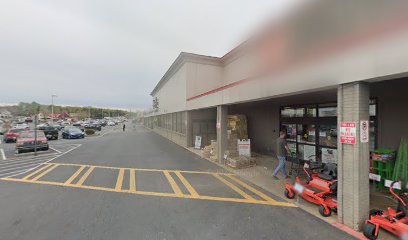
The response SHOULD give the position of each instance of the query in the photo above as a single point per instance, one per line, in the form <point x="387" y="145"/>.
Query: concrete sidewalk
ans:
<point x="261" y="175"/>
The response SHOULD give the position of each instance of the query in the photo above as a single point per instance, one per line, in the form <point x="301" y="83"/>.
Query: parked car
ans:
<point x="2" y="129"/>
<point x="94" y="126"/>
<point x="12" y="135"/>
<point x="50" y="132"/>
<point x="65" y="123"/>
<point x="26" y="141"/>
<point x="111" y="123"/>
<point x="21" y="126"/>
<point x="29" y="120"/>
<point x="56" y="125"/>
<point x="72" y="132"/>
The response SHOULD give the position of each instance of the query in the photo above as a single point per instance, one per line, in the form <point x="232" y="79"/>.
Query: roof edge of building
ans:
<point x="182" y="58"/>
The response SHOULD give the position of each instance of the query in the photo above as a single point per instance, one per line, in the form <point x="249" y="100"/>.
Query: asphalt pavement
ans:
<point x="138" y="185"/>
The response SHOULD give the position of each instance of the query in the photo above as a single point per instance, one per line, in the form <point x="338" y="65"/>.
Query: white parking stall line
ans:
<point x="3" y="155"/>
<point x="12" y="174"/>
<point x="58" y="151"/>
<point x="33" y="164"/>
<point x="21" y="163"/>
<point x="28" y="157"/>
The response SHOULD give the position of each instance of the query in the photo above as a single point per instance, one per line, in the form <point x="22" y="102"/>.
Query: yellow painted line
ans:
<point x="85" y="176"/>
<point x="139" y="169"/>
<point x="76" y="174"/>
<point x="235" y="188"/>
<point x="44" y="173"/>
<point x="119" y="181"/>
<point x="173" y="184"/>
<point x="237" y="200"/>
<point x="190" y="188"/>
<point x="262" y="195"/>
<point x="132" y="181"/>
<point x="35" y="172"/>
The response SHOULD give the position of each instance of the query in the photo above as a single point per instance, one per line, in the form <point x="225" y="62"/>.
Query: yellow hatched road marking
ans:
<point x="35" y="172"/>
<point x="235" y="188"/>
<point x="173" y="184"/>
<point x="45" y="172"/>
<point x="236" y="200"/>
<point x="132" y="181"/>
<point x="76" y="174"/>
<point x="138" y="169"/>
<point x="119" y="181"/>
<point x="85" y="176"/>
<point x="190" y="188"/>
<point x="262" y="195"/>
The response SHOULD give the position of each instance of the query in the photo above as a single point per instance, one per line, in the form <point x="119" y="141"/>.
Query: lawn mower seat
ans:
<point x="329" y="172"/>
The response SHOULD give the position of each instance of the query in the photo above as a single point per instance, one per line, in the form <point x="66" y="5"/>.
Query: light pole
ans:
<point x="52" y="108"/>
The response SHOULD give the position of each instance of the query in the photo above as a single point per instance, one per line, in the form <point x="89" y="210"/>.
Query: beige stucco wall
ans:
<point x="202" y="78"/>
<point x="172" y="96"/>
<point x="175" y="137"/>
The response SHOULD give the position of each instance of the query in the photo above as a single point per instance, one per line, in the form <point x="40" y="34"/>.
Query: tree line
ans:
<point x="29" y="109"/>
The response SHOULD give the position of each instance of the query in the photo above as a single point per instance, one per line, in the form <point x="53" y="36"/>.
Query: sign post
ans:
<point x="348" y="132"/>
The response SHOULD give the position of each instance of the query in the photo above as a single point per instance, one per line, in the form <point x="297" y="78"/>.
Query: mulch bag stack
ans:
<point x="236" y="129"/>
<point x="241" y="162"/>
<point x="401" y="165"/>
<point x="211" y="151"/>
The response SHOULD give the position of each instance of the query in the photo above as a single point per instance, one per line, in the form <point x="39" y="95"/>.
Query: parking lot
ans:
<point x="12" y="163"/>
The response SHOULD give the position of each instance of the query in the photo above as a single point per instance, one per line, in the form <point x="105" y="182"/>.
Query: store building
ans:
<point x="352" y="70"/>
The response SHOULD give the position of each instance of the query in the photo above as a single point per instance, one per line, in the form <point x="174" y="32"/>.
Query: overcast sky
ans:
<point x="112" y="53"/>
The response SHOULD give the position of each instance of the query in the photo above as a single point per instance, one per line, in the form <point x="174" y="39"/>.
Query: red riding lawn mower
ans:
<point x="320" y="187"/>
<point x="393" y="221"/>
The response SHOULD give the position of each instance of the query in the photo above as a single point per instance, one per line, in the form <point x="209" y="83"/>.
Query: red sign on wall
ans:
<point x="348" y="132"/>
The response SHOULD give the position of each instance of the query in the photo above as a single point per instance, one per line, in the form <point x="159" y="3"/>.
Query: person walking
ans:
<point x="124" y="126"/>
<point x="282" y="150"/>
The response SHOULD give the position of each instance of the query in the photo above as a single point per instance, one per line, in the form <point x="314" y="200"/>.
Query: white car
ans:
<point x="111" y="124"/>
<point x="21" y="126"/>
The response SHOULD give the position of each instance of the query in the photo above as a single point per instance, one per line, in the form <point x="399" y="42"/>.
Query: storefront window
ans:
<point x="306" y="152"/>
<point x="306" y="133"/>
<point x="289" y="112"/>
<point x="372" y="135"/>
<point x="290" y="131"/>
<point x="328" y="155"/>
<point x="310" y="112"/>
<point x="328" y="135"/>
<point x="372" y="108"/>
<point x="327" y="110"/>
<point x="292" y="149"/>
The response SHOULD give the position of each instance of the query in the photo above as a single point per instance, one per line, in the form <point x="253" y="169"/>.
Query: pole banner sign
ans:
<point x="364" y="131"/>
<point x="348" y="132"/>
